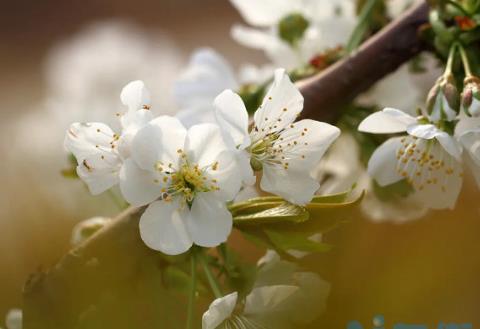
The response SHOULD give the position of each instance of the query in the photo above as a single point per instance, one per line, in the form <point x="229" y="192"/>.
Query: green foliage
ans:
<point x="292" y="28"/>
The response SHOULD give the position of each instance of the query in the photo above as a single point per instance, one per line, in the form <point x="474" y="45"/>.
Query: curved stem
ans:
<point x="217" y="292"/>
<point x="465" y="61"/>
<point x="193" y="288"/>
<point x="451" y="56"/>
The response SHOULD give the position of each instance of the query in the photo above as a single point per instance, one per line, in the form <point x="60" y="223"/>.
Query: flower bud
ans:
<point x="87" y="228"/>
<point x="443" y="101"/>
<point x="292" y="27"/>
<point x="471" y="96"/>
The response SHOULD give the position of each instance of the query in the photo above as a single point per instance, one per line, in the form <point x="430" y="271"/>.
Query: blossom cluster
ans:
<point x="187" y="176"/>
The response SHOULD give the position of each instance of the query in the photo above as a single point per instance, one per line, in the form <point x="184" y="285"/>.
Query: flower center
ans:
<point x="291" y="28"/>
<point x="188" y="180"/>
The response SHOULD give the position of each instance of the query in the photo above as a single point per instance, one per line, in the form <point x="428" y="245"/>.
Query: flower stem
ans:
<point x="193" y="289"/>
<point x="361" y="27"/>
<point x="451" y="56"/>
<point x="217" y="292"/>
<point x="465" y="61"/>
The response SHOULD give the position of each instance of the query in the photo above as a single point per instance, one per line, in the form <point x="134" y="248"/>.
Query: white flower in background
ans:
<point x="428" y="158"/>
<point x="100" y="152"/>
<point x="282" y="297"/>
<point x="293" y="32"/>
<point x="87" y="228"/>
<point x="396" y="7"/>
<point x="285" y="151"/>
<point x="14" y="319"/>
<point x="470" y="141"/>
<point x="206" y="76"/>
<point x="186" y="177"/>
<point x="341" y="168"/>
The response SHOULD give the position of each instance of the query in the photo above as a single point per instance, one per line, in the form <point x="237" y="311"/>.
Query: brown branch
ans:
<point x="326" y="92"/>
<point x="108" y="264"/>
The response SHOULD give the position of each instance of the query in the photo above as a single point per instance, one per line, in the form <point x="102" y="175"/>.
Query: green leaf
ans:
<point x="285" y="212"/>
<point x="296" y="241"/>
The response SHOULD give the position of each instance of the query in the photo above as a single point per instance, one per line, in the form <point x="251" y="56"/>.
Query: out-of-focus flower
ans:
<point x="285" y="151"/>
<point x="283" y="296"/>
<point x="99" y="151"/>
<point x="14" y="319"/>
<point x="341" y="168"/>
<point x="396" y="7"/>
<point x="471" y="144"/>
<point x="206" y="76"/>
<point x="428" y="159"/>
<point x="291" y="32"/>
<point x="186" y="177"/>
<point x="87" y="228"/>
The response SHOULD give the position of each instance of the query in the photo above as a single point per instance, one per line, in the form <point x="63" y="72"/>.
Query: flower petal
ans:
<point x="226" y="174"/>
<point x="232" y="116"/>
<point x="280" y="107"/>
<point x="99" y="172"/>
<point x="382" y="165"/>
<point x="139" y="187"/>
<point x="387" y="121"/>
<point x="294" y="186"/>
<point x="265" y="12"/>
<point x="87" y="139"/>
<point x="162" y="228"/>
<point x="209" y="222"/>
<point x="135" y="95"/>
<point x="471" y="142"/>
<point x="203" y="144"/>
<point x="268" y="299"/>
<point x="304" y="143"/>
<point x="159" y="140"/>
<point x="425" y="131"/>
<point x="207" y="75"/>
<point x="219" y="310"/>
<point x="450" y="145"/>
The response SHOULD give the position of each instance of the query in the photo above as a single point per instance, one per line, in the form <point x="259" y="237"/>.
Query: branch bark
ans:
<point x="99" y="268"/>
<point x="326" y="92"/>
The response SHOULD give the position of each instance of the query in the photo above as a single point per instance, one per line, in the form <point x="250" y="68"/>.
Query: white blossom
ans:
<point x="207" y="75"/>
<point x="428" y="158"/>
<point x="14" y="319"/>
<point x="285" y="151"/>
<point x="282" y="297"/>
<point x="100" y="152"/>
<point x="323" y="25"/>
<point x="186" y="177"/>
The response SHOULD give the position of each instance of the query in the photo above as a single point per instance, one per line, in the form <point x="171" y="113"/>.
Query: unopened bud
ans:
<point x="292" y="27"/>
<point x="443" y="101"/>
<point x="87" y="228"/>
<point x="471" y="96"/>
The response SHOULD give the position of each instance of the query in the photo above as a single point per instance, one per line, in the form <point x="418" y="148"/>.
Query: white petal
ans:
<point x="304" y="143"/>
<point x="427" y="131"/>
<point x="206" y="76"/>
<point x="243" y="161"/>
<point x="135" y="95"/>
<point x="232" y="116"/>
<point x="219" y="310"/>
<point x="471" y="142"/>
<point x="265" y="12"/>
<point x="268" y="299"/>
<point x="435" y="175"/>
<point x="203" y="144"/>
<point x="387" y="121"/>
<point x="201" y="112"/>
<point x="14" y="319"/>
<point x="132" y="121"/>
<point x="88" y="139"/>
<point x="450" y="145"/>
<point x="254" y="38"/>
<point x="99" y="172"/>
<point x="226" y="174"/>
<point x="162" y="228"/>
<point x="209" y="222"/>
<point x="295" y="187"/>
<point x="280" y="107"/>
<point x="139" y="187"/>
<point x="382" y="165"/>
<point x="159" y="141"/>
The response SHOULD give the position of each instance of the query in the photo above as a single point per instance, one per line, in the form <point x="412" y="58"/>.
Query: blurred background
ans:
<point x="65" y="61"/>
